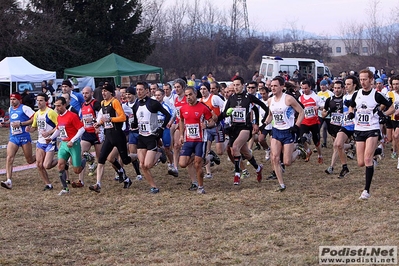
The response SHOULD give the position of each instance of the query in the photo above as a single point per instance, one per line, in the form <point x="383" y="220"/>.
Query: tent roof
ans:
<point x="17" y="69"/>
<point x="112" y="65"/>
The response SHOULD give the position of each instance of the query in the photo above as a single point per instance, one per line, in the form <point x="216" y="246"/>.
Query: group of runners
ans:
<point x="145" y="124"/>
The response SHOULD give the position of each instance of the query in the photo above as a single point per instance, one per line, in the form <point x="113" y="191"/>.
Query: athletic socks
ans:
<point x="253" y="162"/>
<point x="369" y="177"/>
<point x="237" y="160"/>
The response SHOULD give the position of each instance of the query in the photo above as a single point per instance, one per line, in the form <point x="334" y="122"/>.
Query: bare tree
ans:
<point x="352" y="35"/>
<point x="373" y="27"/>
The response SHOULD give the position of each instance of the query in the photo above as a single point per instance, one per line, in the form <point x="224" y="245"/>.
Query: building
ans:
<point x="334" y="47"/>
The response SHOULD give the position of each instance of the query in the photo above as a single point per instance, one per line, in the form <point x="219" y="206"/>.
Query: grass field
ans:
<point x="230" y="225"/>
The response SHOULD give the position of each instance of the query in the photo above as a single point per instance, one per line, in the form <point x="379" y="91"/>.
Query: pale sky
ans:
<point x="323" y="17"/>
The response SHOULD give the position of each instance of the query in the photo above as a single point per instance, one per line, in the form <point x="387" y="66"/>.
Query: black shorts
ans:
<point x="235" y="131"/>
<point x="389" y="123"/>
<point x="315" y="129"/>
<point x="333" y="130"/>
<point x="348" y="133"/>
<point x="364" y="135"/>
<point x="147" y="142"/>
<point x="92" y="138"/>
<point x="395" y="124"/>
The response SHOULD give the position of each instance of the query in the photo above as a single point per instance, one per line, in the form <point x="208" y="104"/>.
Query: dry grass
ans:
<point x="245" y="225"/>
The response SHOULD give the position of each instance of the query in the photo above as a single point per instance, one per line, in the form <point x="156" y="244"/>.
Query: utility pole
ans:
<point x="239" y="19"/>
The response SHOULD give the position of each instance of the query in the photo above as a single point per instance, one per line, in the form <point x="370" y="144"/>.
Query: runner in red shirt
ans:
<point x="69" y="129"/>
<point x="194" y="118"/>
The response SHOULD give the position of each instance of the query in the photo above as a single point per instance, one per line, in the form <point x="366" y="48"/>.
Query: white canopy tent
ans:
<point x="18" y="69"/>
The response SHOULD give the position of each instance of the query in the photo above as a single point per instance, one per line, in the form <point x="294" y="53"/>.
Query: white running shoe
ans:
<point x="139" y="177"/>
<point x="397" y="167"/>
<point x="92" y="169"/>
<point x="267" y="154"/>
<point x="201" y="191"/>
<point x="64" y="192"/>
<point x="89" y="157"/>
<point x="6" y="184"/>
<point x="365" y="195"/>
<point x="208" y="176"/>
<point x="245" y="173"/>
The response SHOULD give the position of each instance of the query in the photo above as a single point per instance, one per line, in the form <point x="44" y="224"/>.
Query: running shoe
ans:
<point x="201" y="190"/>
<point x="122" y="176"/>
<point x="163" y="156"/>
<point x="365" y="195"/>
<point x="329" y="170"/>
<point x="397" y="167"/>
<point x="139" y="177"/>
<point x="154" y="190"/>
<point x="127" y="183"/>
<point x="237" y="180"/>
<point x="324" y="145"/>
<point x="343" y="172"/>
<point x="394" y="155"/>
<point x="308" y="154"/>
<point x="259" y="173"/>
<point x="267" y="154"/>
<point x="48" y="187"/>
<point x="64" y="192"/>
<point x="245" y="173"/>
<point x="208" y="176"/>
<point x="77" y="184"/>
<point x="303" y="152"/>
<point x="193" y="187"/>
<point x="257" y="147"/>
<point x="6" y="184"/>
<point x="95" y="188"/>
<point x="272" y="176"/>
<point x="216" y="158"/>
<point x="280" y="188"/>
<point x="320" y="160"/>
<point x="92" y="169"/>
<point x="173" y="172"/>
<point x="350" y="154"/>
<point x="89" y="157"/>
<point x="308" y="137"/>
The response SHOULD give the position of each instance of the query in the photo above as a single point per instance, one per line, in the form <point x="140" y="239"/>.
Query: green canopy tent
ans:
<point x="112" y="65"/>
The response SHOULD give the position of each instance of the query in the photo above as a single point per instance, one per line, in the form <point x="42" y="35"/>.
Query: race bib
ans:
<point x="309" y="112"/>
<point x="63" y="133"/>
<point x="108" y="124"/>
<point x="178" y="112"/>
<point x="131" y="119"/>
<point x="238" y="115"/>
<point x="88" y="120"/>
<point x="347" y="121"/>
<point x="41" y="124"/>
<point x="364" y="117"/>
<point x="161" y="119"/>
<point x="278" y="118"/>
<point x="16" y="130"/>
<point x="193" y="131"/>
<point x="336" y="119"/>
<point x="144" y="128"/>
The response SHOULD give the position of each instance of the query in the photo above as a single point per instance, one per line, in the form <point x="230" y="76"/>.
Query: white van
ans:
<point x="272" y="65"/>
